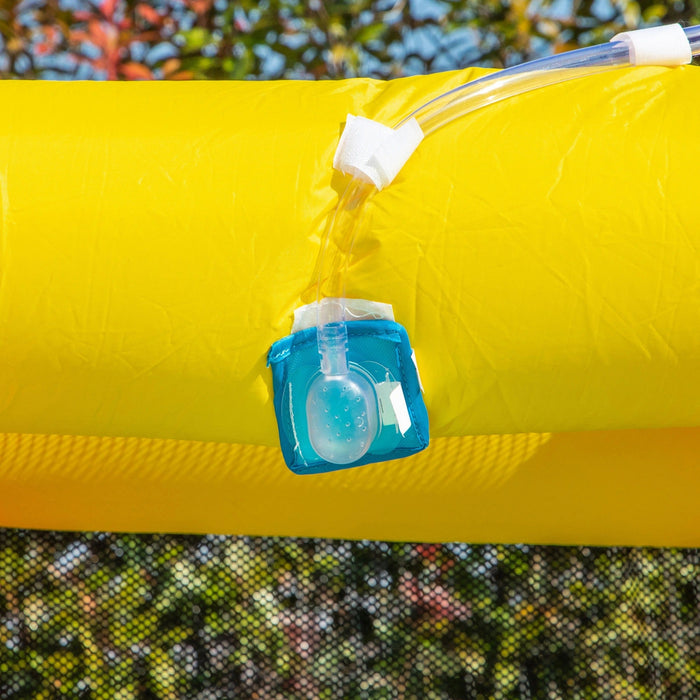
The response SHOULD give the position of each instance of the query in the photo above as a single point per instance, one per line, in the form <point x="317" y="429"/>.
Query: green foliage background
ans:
<point x="182" y="39"/>
<point x="134" y="617"/>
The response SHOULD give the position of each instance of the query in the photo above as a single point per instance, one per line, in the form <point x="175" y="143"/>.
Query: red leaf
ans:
<point x="98" y="36"/>
<point x="182" y="75"/>
<point x="428" y="551"/>
<point x="136" y="71"/>
<point x="170" y="67"/>
<point x="107" y="7"/>
<point x="200" y="6"/>
<point x="150" y="14"/>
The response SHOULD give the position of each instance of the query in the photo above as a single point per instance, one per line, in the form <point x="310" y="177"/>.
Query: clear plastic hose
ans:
<point x="526" y="77"/>
<point x="438" y="112"/>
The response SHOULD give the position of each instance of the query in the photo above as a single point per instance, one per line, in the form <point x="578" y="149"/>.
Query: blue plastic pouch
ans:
<point x="378" y="349"/>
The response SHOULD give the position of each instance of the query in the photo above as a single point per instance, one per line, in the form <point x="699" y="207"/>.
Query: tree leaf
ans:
<point x="136" y="71"/>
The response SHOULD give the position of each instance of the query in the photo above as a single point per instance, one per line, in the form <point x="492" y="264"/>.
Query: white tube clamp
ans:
<point x="657" y="46"/>
<point x="375" y="153"/>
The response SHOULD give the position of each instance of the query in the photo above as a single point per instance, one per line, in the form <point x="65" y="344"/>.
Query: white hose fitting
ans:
<point x="657" y="46"/>
<point x="375" y="153"/>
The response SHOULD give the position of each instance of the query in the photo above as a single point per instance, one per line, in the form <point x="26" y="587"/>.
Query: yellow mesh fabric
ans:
<point x="611" y="487"/>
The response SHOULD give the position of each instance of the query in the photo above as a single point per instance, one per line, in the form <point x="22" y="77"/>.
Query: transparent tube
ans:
<point x="526" y="77"/>
<point x="692" y="34"/>
<point x="343" y="225"/>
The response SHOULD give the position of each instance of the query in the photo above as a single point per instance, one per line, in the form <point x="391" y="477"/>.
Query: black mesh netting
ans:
<point x="124" y="616"/>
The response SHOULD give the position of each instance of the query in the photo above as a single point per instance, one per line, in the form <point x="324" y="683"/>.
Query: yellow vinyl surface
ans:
<point x="543" y="255"/>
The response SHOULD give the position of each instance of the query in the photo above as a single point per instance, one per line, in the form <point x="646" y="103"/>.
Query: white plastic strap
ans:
<point x="657" y="46"/>
<point x="353" y="310"/>
<point x="373" y="152"/>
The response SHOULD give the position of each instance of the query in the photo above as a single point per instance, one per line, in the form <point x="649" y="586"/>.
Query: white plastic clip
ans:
<point x="657" y="46"/>
<point x="373" y="152"/>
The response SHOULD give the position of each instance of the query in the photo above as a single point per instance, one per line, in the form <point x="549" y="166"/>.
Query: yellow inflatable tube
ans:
<point x="543" y="255"/>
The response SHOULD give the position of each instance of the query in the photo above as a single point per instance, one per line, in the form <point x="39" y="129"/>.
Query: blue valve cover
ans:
<point x="381" y="352"/>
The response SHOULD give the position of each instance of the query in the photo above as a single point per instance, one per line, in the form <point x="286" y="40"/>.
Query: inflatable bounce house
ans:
<point x="461" y="307"/>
